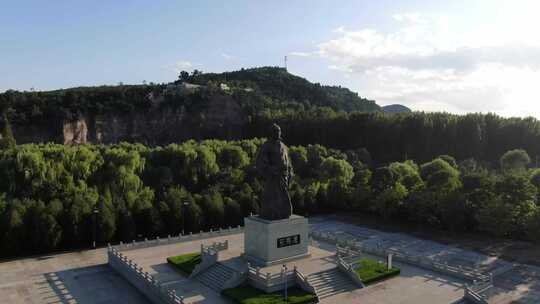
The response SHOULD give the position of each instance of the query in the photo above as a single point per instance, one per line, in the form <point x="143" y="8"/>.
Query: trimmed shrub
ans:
<point x="185" y="262"/>
<point x="251" y="295"/>
<point x="371" y="271"/>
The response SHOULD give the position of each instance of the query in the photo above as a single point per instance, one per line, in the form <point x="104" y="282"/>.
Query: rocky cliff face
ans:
<point x="222" y="118"/>
<point x="75" y="132"/>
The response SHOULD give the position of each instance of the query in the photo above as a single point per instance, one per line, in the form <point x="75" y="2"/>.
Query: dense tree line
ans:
<point x="48" y="193"/>
<point x="38" y="107"/>
<point x="418" y="136"/>
<point x="308" y="113"/>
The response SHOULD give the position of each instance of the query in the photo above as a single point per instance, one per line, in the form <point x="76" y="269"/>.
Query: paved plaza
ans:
<point x="513" y="283"/>
<point x="84" y="277"/>
<point x="77" y="277"/>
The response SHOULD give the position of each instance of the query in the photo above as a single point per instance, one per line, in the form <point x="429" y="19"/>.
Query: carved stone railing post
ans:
<point x="268" y="278"/>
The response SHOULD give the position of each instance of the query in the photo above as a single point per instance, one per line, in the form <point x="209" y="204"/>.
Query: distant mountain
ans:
<point x="196" y="106"/>
<point x="395" y="108"/>
<point x="285" y="88"/>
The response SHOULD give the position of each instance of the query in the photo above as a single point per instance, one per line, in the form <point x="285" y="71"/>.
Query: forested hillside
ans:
<point x="309" y="114"/>
<point x="457" y="172"/>
<point x="48" y="192"/>
<point x="258" y="88"/>
<point x="282" y="88"/>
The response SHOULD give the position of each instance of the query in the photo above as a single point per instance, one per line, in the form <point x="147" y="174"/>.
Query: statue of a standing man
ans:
<point x="274" y="166"/>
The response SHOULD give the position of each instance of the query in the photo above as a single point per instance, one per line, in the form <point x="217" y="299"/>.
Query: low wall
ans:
<point x="348" y="270"/>
<point x="466" y="273"/>
<point x="209" y="256"/>
<point x="302" y="282"/>
<point x="178" y="239"/>
<point x="270" y="282"/>
<point x="472" y="293"/>
<point x="143" y="281"/>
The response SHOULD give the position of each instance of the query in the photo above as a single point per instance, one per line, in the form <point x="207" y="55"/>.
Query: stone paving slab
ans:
<point x="519" y="285"/>
<point x="77" y="277"/>
<point x="408" y="245"/>
<point x="84" y="277"/>
<point x="410" y="287"/>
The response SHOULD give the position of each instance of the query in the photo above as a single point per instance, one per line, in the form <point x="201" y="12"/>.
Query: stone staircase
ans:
<point x="215" y="276"/>
<point x="330" y="282"/>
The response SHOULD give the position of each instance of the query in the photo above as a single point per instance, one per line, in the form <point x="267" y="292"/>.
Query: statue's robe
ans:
<point x="274" y="165"/>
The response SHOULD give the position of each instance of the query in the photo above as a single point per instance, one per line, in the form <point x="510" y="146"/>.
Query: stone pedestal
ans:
<point x="274" y="242"/>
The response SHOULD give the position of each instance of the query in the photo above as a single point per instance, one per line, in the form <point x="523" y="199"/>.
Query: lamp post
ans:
<point x="285" y="279"/>
<point x="184" y="205"/>
<point x="95" y="213"/>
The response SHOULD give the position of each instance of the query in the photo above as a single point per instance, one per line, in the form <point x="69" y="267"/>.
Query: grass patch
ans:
<point x="185" y="262"/>
<point x="251" y="295"/>
<point x="371" y="271"/>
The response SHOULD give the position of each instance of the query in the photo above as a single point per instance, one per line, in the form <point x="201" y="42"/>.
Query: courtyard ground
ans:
<point x="76" y="277"/>
<point x="84" y="277"/>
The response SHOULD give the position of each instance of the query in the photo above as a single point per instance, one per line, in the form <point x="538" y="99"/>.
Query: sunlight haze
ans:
<point x="458" y="57"/>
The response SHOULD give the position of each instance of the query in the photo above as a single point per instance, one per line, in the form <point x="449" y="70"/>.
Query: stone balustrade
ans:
<point x="271" y="282"/>
<point x="473" y="292"/>
<point x="460" y="272"/>
<point x="209" y="256"/>
<point x="145" y="282"/>
<point x="177" y="239"/>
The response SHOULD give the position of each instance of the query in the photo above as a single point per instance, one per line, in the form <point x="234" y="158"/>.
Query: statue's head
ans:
<point x="275" y="132"/>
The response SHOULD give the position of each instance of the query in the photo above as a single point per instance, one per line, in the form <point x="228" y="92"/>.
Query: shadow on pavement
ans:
<point x="92" y="284"/>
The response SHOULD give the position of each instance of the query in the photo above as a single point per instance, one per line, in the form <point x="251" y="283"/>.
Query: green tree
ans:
<point x="440" y="176"/>
<point x="383" y="178"/>
<point x="233" y="212"/>
<point x="336" y="169"/>
<point x="232" y="156"/>
<point x="515" y="160"/>
<point x="512" y="209"/>
<point x="106" y="219"/>
<point x="450" y="160"/>
<point x="535" y="180"/>
<point x="361" y="185"/>
<point x="390" y="202"/>
<point x="213" y="208"/>
<point x="173" y="208"/>
<point x="7" y="140"/>
<point x="183" y="76"/>
<point x="533" y="226"/>
<point x="407" y="174"/>
<point x="315" y="155"/>
<point x="299" y="160"/>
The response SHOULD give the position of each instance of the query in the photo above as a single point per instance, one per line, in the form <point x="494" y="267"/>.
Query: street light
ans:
<point x="95" y="213"/>
<point x="285" y="279"/>
<point x="184" y="205"/>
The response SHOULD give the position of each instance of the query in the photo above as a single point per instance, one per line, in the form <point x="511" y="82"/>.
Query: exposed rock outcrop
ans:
<point x="222" y="118"/>
<point x="75" y="132"/>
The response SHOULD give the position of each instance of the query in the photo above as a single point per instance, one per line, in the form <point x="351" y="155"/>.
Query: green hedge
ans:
<point x="185" y="262"/>
<point x="371" y="271"/>
<point x="251" y="295"/>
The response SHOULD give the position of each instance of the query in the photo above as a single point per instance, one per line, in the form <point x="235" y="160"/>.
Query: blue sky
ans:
<point x="459" y="56"/>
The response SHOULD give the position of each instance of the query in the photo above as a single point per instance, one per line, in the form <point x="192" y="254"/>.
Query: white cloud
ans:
<point x="429" y="63"/>
<point x="340" y="29"/>
<point x="182" y="65"/>
<point x="302" y="54"/>
<point x="412" y="18"/>
<point x="228" y="57"/>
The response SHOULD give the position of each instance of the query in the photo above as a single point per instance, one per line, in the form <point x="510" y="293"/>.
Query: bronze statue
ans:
<point x="274" y="166"/>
